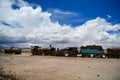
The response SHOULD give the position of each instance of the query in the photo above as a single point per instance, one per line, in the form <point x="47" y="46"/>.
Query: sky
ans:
<point x="63" y="23"/>
<point x="83" y="10"/>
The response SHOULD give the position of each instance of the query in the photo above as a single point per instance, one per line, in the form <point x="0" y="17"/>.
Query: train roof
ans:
<point x="92" y="46"/>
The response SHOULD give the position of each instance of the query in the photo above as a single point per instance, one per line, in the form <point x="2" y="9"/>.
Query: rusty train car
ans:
<point x="13" y="50"/>
<point x="85" y="51"/>
<point x="70" y="51"/>
<point x="36" y="50"/>
<point x="113" y="52"/>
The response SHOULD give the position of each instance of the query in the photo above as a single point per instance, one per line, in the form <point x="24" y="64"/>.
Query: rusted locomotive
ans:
<point x="13" y="50"/>
<point x="113" y="52"/>
<point x="70" y="51"/>
<point x="36" y="50"/>
<point x="60" y="52"/>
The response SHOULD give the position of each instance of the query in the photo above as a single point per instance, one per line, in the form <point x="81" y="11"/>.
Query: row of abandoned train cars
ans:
<point x="83" y="51"/>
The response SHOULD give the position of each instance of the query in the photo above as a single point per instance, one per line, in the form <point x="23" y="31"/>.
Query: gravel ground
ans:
<point x="61" y="68"/>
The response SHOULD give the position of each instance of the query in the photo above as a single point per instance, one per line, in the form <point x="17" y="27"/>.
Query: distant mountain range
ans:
<point x="2" y="47"/>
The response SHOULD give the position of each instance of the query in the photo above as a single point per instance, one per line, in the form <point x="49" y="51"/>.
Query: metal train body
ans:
<point x="92" y="51"/>
<point x="70" y="51"/>
<point x="36" y="50"/>
<point x="113" y="52"/>
<point x="13" y="50"/>
<point x="84" y="51"/>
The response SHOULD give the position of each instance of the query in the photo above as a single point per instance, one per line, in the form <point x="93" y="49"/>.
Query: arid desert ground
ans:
<point x="61" y="68"/>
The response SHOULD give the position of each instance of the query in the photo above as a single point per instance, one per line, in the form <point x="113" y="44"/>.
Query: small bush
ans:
<point x="8" y="75"/>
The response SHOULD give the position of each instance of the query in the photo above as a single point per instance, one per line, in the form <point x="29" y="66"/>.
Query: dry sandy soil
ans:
<point x="61" y="68"/>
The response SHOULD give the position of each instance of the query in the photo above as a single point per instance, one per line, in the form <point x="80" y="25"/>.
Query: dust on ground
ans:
<point x="61" y="68"/>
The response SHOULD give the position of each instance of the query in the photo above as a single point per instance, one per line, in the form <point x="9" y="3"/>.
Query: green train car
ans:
<point x="92" y="51"/>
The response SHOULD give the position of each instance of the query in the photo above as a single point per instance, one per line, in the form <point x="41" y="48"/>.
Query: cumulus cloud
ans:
<point x="26" y="26"/>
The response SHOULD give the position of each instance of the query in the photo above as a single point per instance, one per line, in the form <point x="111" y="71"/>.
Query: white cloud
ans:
<point x="57" y="11"/>
<point x="37" y="28"/>
<point x="109" y="16"/>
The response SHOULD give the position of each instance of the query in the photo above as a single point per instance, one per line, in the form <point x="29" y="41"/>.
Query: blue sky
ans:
<point x="85" y="10"/>
<point x="61" y="23"/>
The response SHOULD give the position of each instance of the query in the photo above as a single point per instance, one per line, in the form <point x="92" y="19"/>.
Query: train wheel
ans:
<point x="43" y="54"/>
<point x="118" y="56"/>
<point x="108" y="56"/>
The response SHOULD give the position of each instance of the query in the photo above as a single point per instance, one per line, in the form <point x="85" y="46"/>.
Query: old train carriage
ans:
<point x="70" y="51"/>
<point x="92" y="51"/>
<point x="113" y="52"/>
<point x="61" y="52"/>
<point x="36" y="50"/>
<point x="13" y="50"/>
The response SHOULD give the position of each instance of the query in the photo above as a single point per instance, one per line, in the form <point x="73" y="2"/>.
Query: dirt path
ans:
<point x="61" y="68"/>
